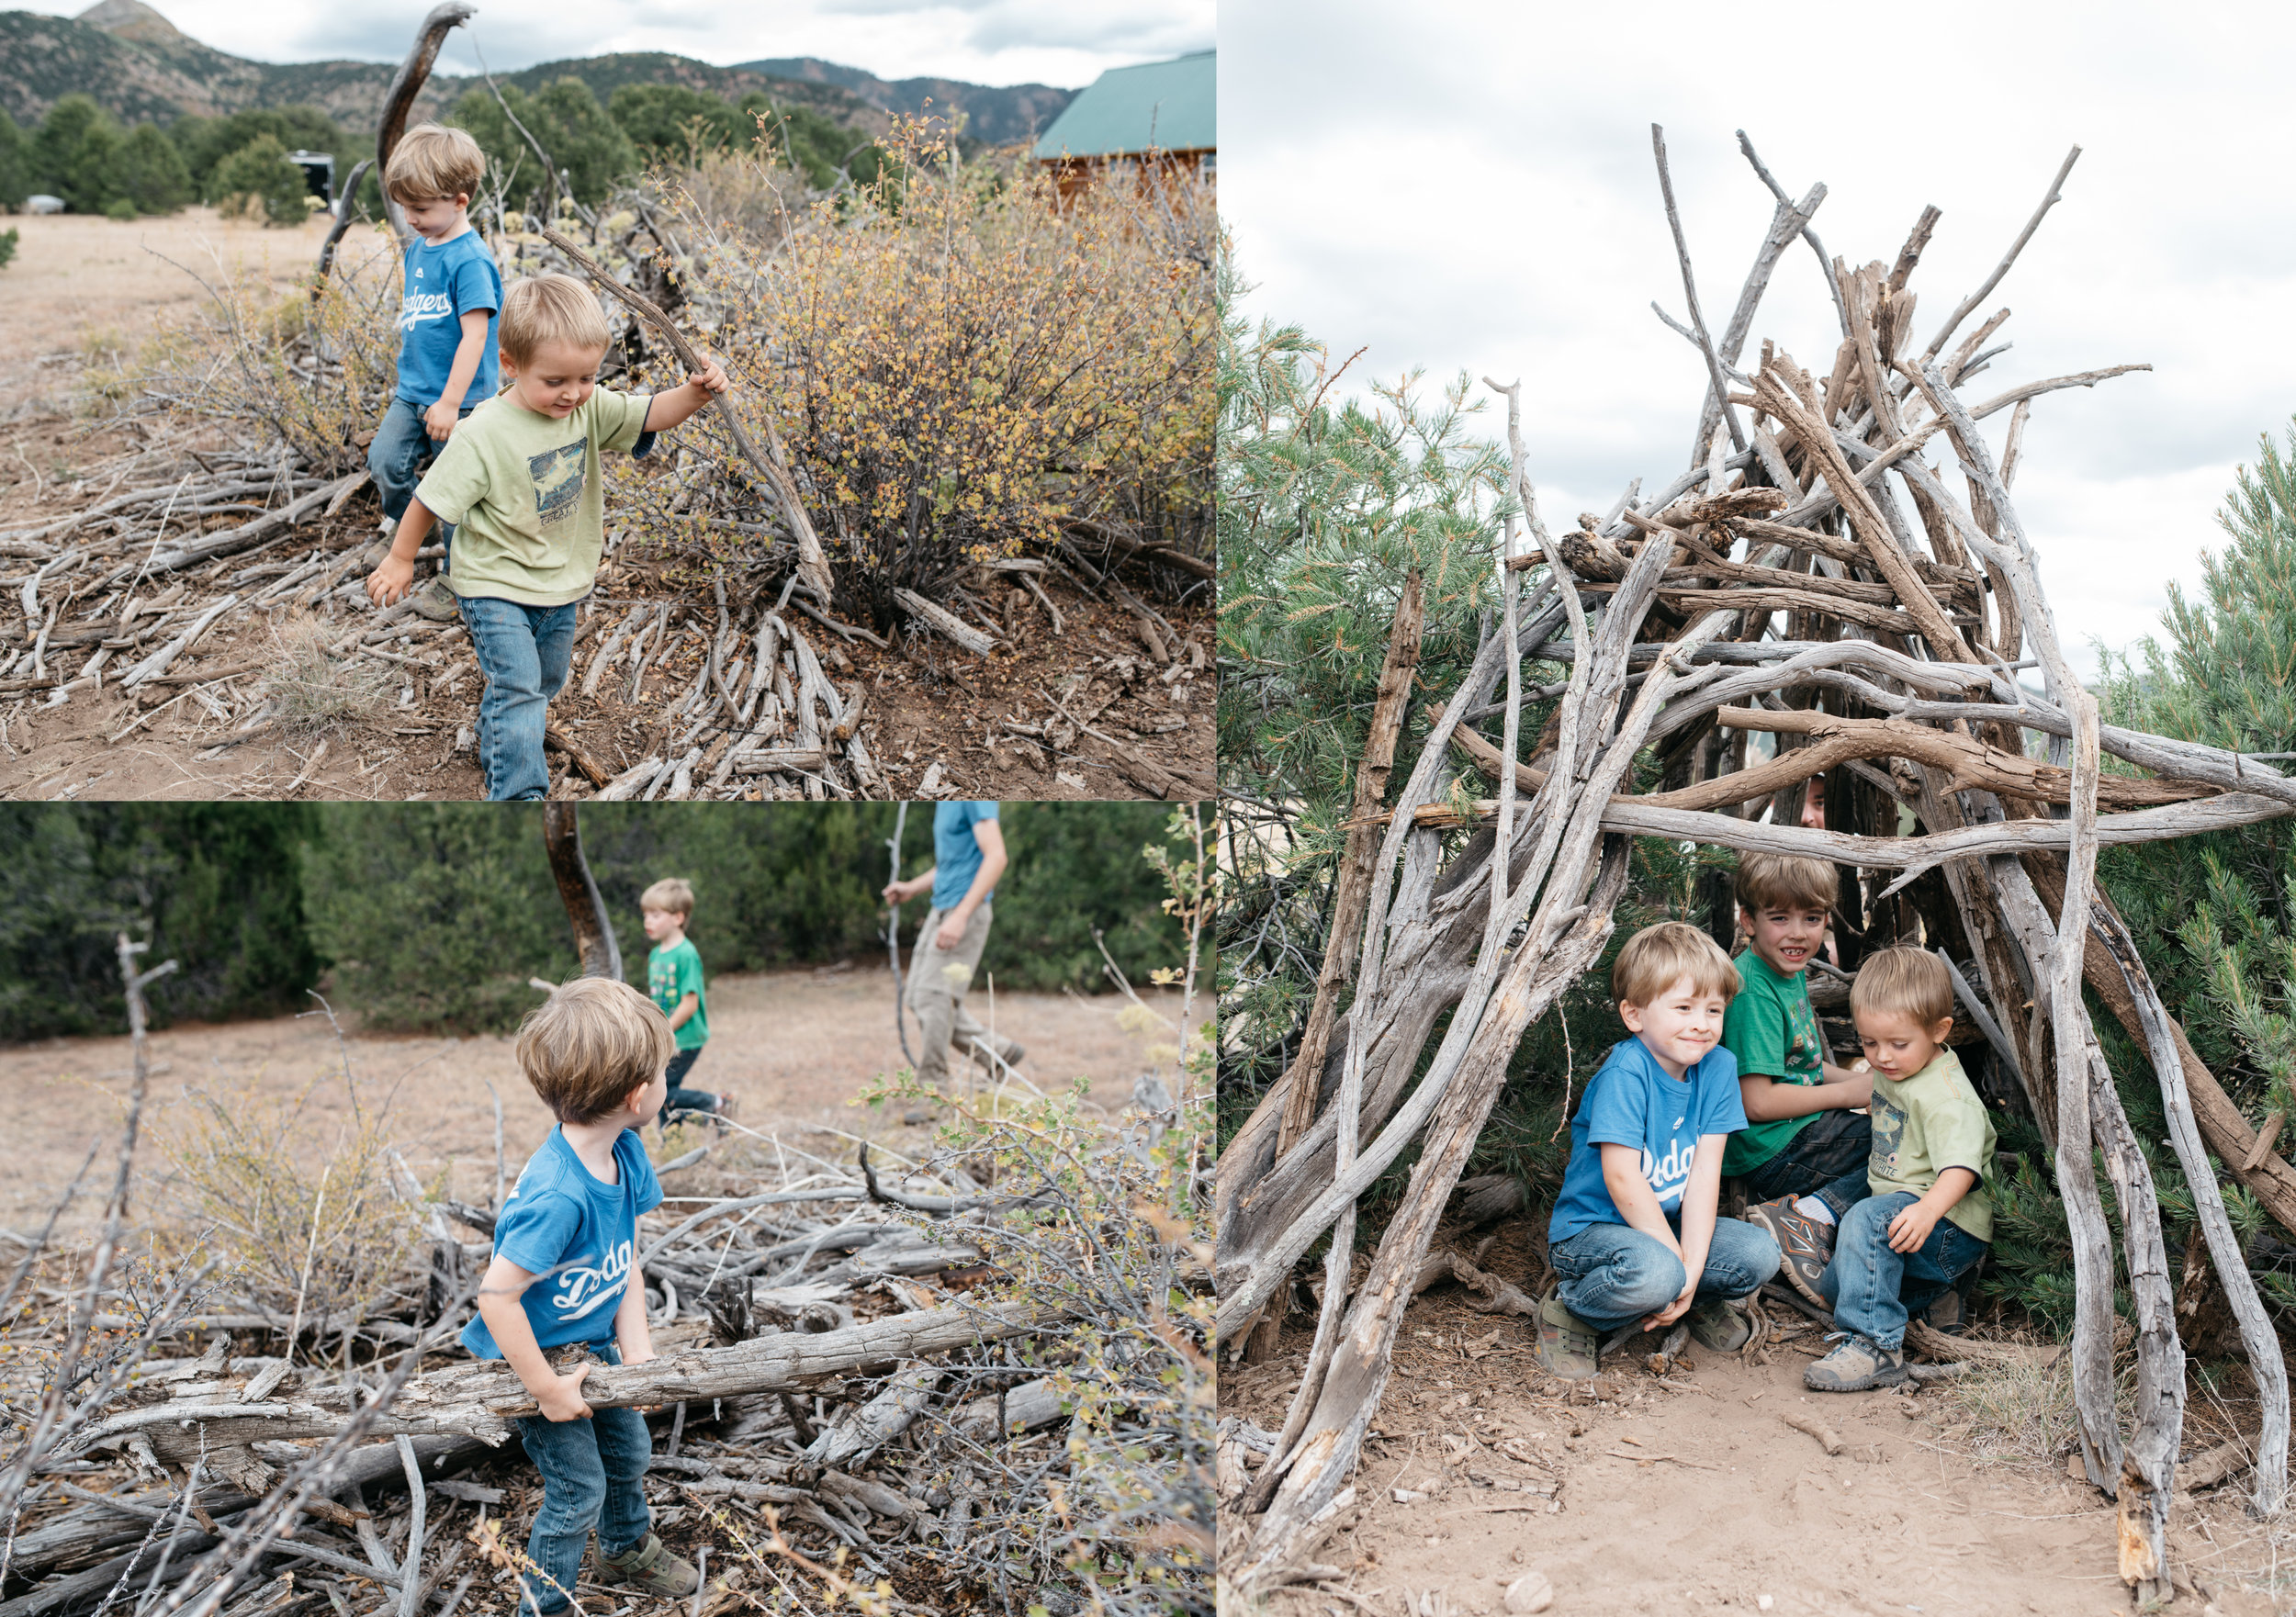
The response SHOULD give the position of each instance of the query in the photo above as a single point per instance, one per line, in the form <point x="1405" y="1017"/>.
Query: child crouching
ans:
<point x="565" y="1274"/>
<point x="1634" y="1235"/>
<point x="1929" y="1216"/>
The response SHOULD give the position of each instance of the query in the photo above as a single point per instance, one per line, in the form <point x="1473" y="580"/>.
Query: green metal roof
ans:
<point x="1166" y="106"/>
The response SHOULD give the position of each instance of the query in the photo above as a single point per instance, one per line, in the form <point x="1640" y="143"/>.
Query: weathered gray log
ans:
<point x="210" y="546"/>
<point x="407" y="84"/>
<point x="859" y="1431"/>
<point x="578" y="889"/>
<point x="941" y="621"/>
<point x="480" y="1400"/>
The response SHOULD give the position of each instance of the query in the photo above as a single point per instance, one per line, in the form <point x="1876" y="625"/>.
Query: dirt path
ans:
<point x="1694" y="1494"/>
<point x="79" y="284"/>
<point x="795" y="1047"/>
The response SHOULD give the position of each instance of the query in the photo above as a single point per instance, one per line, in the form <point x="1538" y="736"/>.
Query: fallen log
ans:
<point x="480" y="1400"/>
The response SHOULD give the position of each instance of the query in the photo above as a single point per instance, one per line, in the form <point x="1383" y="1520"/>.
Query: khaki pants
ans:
<point x="938" y="979"/>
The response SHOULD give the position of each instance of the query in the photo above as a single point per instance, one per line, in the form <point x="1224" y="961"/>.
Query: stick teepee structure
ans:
<point x="1907" y="609"/>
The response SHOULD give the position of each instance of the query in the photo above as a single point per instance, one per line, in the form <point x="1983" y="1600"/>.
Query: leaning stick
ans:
<point x="813" y="566"/>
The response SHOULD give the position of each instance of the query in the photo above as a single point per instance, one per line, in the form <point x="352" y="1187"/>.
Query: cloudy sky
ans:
<point x="1469" y="185"/>
<point x="981" y="41"/>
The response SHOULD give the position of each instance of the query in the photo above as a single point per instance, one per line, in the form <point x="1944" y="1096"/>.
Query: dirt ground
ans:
<point x="79" y="282"/>
<point x="1634" y="1495"/>
<point x="793" y="1047"/>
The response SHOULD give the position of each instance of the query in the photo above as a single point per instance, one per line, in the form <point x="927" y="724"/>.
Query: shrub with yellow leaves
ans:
<point x="959" y="362"/>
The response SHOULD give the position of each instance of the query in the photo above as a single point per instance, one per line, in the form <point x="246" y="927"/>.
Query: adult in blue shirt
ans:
<point x="968" y="860"/>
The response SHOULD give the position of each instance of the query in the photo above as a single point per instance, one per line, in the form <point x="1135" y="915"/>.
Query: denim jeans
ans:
<point x="1874" y="1289"/>
<point x="1613" y="1275"/>
<point x="1825" y="1160"/>
<point x="402" y="449"/>
<point x="680" y="1099"/>
<point x="590" y="1478"/>
<point x="524" y="652"/>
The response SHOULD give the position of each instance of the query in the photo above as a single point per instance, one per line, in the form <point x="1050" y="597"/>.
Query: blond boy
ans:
<point x="1805" y="1138"/>
<point x="452" y="298"/>
<point x="520" y="477"/>
<point x="673" y="976"/>
<point x="565" y="1274"/>
<point x="1929" y="1216"/>
<point x="1634" y="1236"/>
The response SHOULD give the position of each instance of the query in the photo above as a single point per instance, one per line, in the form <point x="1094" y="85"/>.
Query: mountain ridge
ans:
<point x="139" y="67"/>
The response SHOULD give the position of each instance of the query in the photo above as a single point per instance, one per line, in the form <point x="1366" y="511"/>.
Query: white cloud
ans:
<point x="1470" y="187"/>
<point x="981" y="41"/>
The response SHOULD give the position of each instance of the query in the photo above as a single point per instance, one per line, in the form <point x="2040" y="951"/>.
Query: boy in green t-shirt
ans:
<point x="519" y="478"/>
<point x="673" y="976"/>
<point x="1804" y="1149"/>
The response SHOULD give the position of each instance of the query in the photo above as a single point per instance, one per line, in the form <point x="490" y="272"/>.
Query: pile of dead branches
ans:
<point x="1810" y="576"/>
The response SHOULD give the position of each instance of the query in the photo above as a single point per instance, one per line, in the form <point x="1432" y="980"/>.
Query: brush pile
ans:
<point x="1809" y="578"/>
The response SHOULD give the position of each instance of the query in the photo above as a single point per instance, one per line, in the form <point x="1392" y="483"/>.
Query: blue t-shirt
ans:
<point x="561" y="1219"/>
<point x="1631" y="1101"/>
<point x="956" y="851"/>
<point x="443" y="283"/>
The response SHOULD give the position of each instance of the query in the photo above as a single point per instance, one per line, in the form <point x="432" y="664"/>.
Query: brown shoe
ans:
<point x="1805" y="1246"/>
<point x="652" y="1567"/>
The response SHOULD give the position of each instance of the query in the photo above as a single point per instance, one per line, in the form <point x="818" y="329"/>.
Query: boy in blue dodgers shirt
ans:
<point x="565" y="1272"/>
<point x="447" y="324"/>
<point x="1634" y="1235"/>
<point x="522" y="478"/>
<point x="1929" y="1216"/>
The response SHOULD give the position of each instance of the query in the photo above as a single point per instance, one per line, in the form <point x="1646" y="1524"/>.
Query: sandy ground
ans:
<point x="1695" y="1496"/>
<point x="78" y="281"/>
<point x="793" y="1047"/>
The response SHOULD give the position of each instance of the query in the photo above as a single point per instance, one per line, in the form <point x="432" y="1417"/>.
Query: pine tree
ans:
<point x="151" y="176"/>
<point x="16" y="156"/>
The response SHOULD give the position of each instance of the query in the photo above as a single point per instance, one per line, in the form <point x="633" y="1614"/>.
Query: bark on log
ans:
<point x="593" y="929"/>
<point x="405" y="84"/>
<point x="480" y="1400"/>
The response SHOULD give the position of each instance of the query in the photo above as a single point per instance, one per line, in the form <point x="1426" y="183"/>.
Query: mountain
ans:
<point x="139" y="67"/>
<point x="997" y="115"/>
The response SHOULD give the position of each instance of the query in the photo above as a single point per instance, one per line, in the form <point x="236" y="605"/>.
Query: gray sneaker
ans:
<point x="1945" y="1314"/>
<point x="1805" y="1246"/>
<point x="1567" y="1344"/>
<point x="1855" y="1365"/>
<point x="652" y="1565"/>
<point x="435" y="600"/>
<point x="1720" y="1325"/>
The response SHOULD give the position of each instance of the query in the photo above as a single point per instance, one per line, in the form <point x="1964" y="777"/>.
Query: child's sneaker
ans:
<point x="1805" y="1246"/>
<point x="1945" y="1313"/>
<point x="1567" y="1344"/>
<point x="435" y="600"/>
<point x="726" y="1109"/>
<point x="1855" y="1365"/>
<point x="1720" y="1325"/>
<point x="652" y="1567"/>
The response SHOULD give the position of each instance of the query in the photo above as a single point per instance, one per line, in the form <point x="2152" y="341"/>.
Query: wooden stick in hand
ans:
<point x="812" y="565"/>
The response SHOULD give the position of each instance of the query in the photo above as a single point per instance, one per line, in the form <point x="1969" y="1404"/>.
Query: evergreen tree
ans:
<point x="580" y="137"/>
<point x="74" y="152"/>
<point x="150" y="176"/>
<point x="259" y="174"/>
<point x="204" y="142"/>
<point x="15" y="157"/>
<point x="667" y="123"/>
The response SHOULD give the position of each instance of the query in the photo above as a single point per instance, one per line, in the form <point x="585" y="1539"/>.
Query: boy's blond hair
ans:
<point x="1656" y="958"/>
<point x="1785" y="880"/>
<point x="549" y="308"/>
<point x="1904" y="983"/>
<point x="433" y="163"/>
<point x="673" y="895"/>
<point x="590" y="1043"/>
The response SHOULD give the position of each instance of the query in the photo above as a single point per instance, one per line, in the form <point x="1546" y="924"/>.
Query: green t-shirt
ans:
<point x="525" y="494"/>
<point x="1928" y="1123"/>
<point x="1771" y="1030"/>
<point x="673" y="971"/>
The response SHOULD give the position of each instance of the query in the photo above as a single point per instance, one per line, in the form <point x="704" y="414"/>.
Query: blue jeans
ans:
<point x="1825" y="1160"/>
<point x="402" y="450"/>
<point x="524" y="652"/>
<point x="680" y="1099"/>
<point x="1613" y="1275"/>
<point x="590" y="1478"/>
<point x="1874" y="1289"/>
